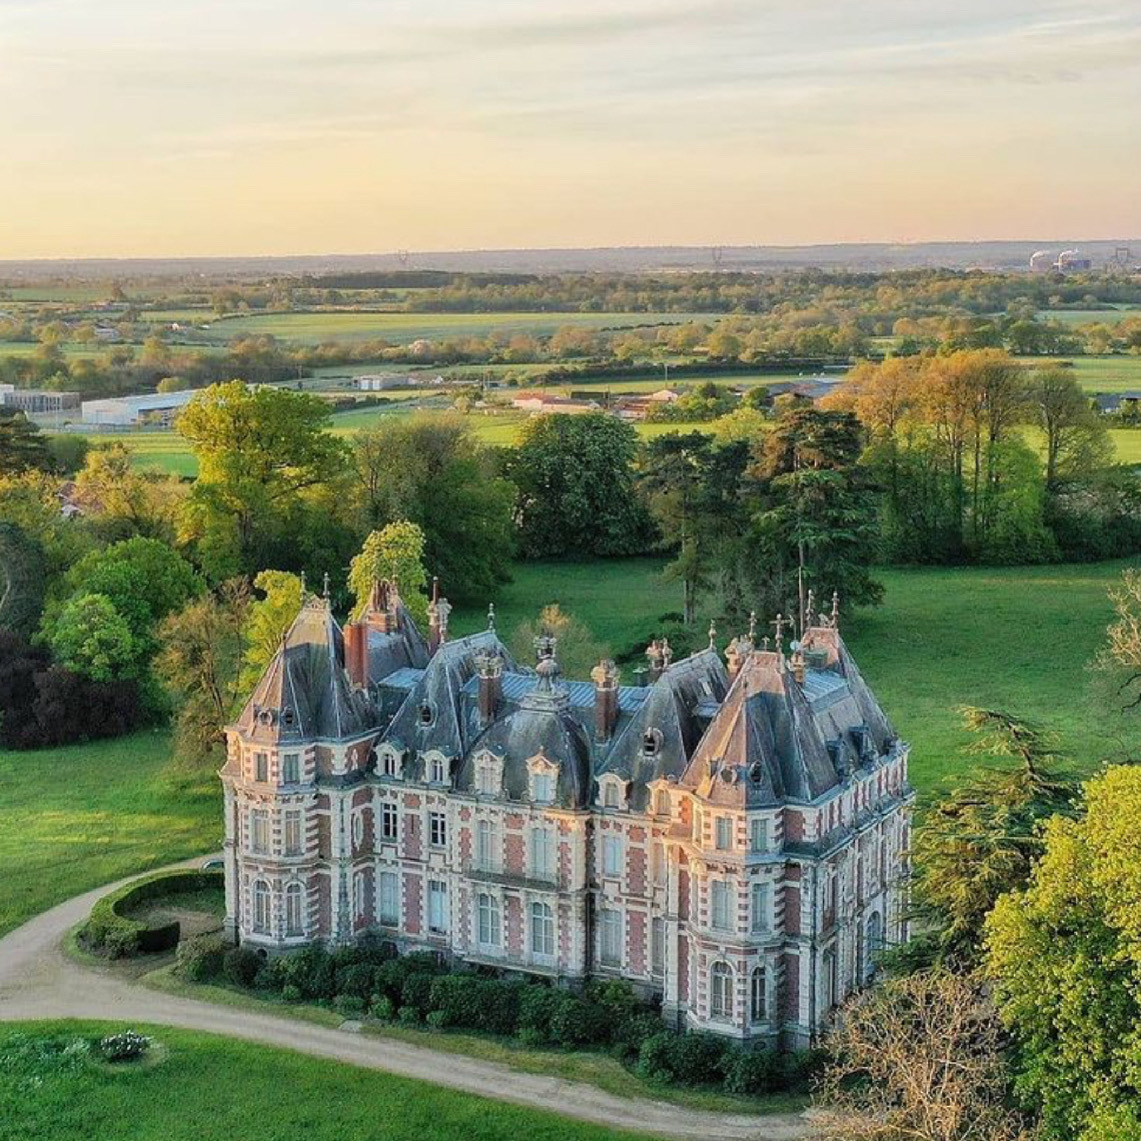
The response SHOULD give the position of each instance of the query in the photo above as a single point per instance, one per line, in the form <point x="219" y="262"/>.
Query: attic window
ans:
<point x="427" y="714"/>
<point x="287" y="716"/>
<point x="651" y="742"/>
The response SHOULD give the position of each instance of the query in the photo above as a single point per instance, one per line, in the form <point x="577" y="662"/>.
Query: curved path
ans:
<point x="37" y="980"/>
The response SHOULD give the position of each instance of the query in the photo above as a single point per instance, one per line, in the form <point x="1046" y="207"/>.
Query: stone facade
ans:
<point x="730" y="838"/>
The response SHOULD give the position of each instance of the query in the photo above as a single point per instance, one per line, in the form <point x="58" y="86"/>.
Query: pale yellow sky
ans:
<point x="136" y="128"/>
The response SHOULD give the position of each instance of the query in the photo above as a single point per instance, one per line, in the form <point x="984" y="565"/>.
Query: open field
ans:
<point x="188" y="1096"/>
<point x="401" y="328"/>
<point x="1108" y="316"/>
<point x="75" y="817"/>
<point x="1108" y="374"/>
<point x="1017" y="638"/>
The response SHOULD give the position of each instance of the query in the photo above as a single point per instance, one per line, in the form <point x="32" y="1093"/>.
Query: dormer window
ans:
<point x="437" y="769"/>
<point x="651" y="742"/>
<point x="612" y="791"/>
<point x="427" y="714"/>
<point x="390" y="762"/>
<point x="488" y="774"/>
<point x="662" y="802"/>
<point x="543" y="775"/>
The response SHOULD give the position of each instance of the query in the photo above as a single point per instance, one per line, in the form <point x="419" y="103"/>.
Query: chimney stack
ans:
<point x="605" y="677"/>
<point x="735" y="655"/>
<point x="660" y="655"/>
<point x="356" y="653"/>
<point x="490" y="671"/>
<point x="438" y="611"/>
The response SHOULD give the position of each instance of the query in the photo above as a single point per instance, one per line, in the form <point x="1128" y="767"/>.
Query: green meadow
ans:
<point x="186" y="1093"/>
<point x="1109" y="315"/>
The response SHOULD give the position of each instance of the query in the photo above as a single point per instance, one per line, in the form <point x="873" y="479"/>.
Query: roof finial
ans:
<point x="491" y="616"/>
<point x="836" y="608"/>
<point x="435" y="589"/>
<point x="712" y="636"/>
<point x="753" y="627"/>
<point x="325" y="587"/>
<point x="809" y="611"/>
<point x="778" y="626"/>
<point x="302" y="586"/>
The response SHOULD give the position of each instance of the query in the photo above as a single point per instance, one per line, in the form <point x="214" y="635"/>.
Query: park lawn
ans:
<point x="1018" y="638"/>
<point x="189" y="1096"/>
<point x="400" y="328"/>
<point x="78" y="816"/>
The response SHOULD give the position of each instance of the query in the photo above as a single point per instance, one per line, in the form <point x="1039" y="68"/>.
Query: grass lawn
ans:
<point x="1018" y="639"/>
<point x="1099" y="374"/>
<point x="189" y="1096"/>
<point x="1110" y="315"/>
<point x="401" y="328"/>
<point x="76" y="817"/>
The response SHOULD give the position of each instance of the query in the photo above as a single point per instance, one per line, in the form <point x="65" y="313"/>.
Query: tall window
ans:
<point x="390" y="765"/>
<point x="662" y="802"/>
<point x="437" y="830"/>
<point x="261" y="766"/>
<point x="485" y="772"/>
<point x="294" y="897"/>
<point x="542" y="930"/>
<point x="542" y="787"/>
<point x="658" y="946"/>
<point x="390" y="899"/>
<point x="719" y="905"/>
<point x="291" y="768"/>
<point x="721" y="991"/>
<point x="610" y="795"/>
<point x="437" y="907"/>
<point x="259" y="830"/>
<point x="758" y="835"/>
<point x="388" y="821"/>
<point x="488" y="920"/>
<point x="697" y="835"/>
<point x="542" y="853"/>
<point x="758" y="1004"/>
<point x="293" y="832"/>
<point x="436" y="769"/>
<point x="760" y="908"/>
<point x="610" y="937"/>
<point x="360" y="895"/>
<point x="486" y="846"/>
<point x="611" y="855"/>
<point x="724" y="834"/>
<point x="261" y="907"/>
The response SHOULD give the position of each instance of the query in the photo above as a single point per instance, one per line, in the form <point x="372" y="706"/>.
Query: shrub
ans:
<point x="356" y="980"/>
<point x="291" y="993"/>
<point x="383" y="1009"/>
<point x="629" y="1034"/>
<point x="349" y="1005"/>
<point x="437" y="1020"/>
<point x="751" y="1073"/>
<point x="241" y="965"/>
<point x="656" y="1057"/>
<point x="124" y="1047"/>
<point x="408" y="1016"/>
<point x="200" y="959"/>
<point x="310" y="970"/>
<point x="576" y="1022"/>
<point x="475" y="1003"/>
<point x="537" y="1004"/>
<point x="700" y="1059"/>
<point x="416" y="994"/>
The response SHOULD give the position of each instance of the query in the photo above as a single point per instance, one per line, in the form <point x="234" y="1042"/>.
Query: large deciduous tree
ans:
<point x="577" y="493"/>
<point x="268" y="618"/>
<point x="432" y="472"/>
<point x="394" y="553"/>
<point x="258" y="450"/>
<point x="22" y="448"/>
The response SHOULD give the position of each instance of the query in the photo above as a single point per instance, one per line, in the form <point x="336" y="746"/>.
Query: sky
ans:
<point x="196" y="127"/>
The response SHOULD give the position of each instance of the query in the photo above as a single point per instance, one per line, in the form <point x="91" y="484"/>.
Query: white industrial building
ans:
<point x="135" y="411"/>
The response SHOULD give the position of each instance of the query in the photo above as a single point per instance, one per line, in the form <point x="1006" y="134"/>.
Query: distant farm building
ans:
<point x="537" y="404"/>
<point x="813" y="388"/>
<point x="378" y="382"/>
<point x="33" y="400"/>
<point x="158" y="408"/>
<point x="1110" y="402"/>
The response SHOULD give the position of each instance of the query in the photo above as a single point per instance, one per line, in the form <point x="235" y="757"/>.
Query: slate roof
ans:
<point x="304" y="692"/>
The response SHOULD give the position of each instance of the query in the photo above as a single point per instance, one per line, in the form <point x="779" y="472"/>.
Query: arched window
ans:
<point x="436" y="770"/>
<point x="542" y="930"/>
<point x="261" y="907"/>
<point x="759" y="995"/>
<point x="488" y="933"/>
<point x="294" y="896"/>
<point x="721" y="991"/>
<point x="662" y="802"/>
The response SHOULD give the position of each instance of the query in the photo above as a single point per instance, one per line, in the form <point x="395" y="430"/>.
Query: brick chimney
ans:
<point x="381" y="613"/>
<point x="660" y="655"/>
<point x="438" y="611"/>
<point x="356" y="653"/>
<point x="605" y="677"/>
<point x="490" y="671"/>
<point x="735" y="655"/>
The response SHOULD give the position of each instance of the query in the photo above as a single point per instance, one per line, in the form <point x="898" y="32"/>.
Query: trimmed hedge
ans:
<point x="110" y="932"/>
<point x="415" y="990"/>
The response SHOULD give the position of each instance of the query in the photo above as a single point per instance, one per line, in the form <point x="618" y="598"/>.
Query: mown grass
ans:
<point x="1109" y="315"/>
<point x="76" y="817"/>
<point x="190" y="1096"/>
<point x="1018" y="638"/>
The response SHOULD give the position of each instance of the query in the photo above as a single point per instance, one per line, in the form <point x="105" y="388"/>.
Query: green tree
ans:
<point x="578" y="651"/>
<point x="200" y="664"/>
<point x="982" y="838"/>
<point x="1064" y="958"/>
<point x="258" y="450"/>
<point x="93" y="639"/>
<point x="432" y="472"/>
<point x="577" y="496"/>
<point x="1077" y="441"/>
<point x="267" y="620"/>
<point x="395" y="553"/>
<point x="22" y="448"/>
<point x="122" y="501"/>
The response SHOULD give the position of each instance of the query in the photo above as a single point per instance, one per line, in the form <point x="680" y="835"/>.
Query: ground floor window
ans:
<point x="261" y="907"/>
<point x="721" y="991"/>
<point x="759" y="995"/>
<point x="542" y="930"/>
<point x="389" y="899"/>
<point x="437" y="907"/>
<point x="488" y="933"/>
<point x="610" y="937"/>
<point x="294" y="920"/>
